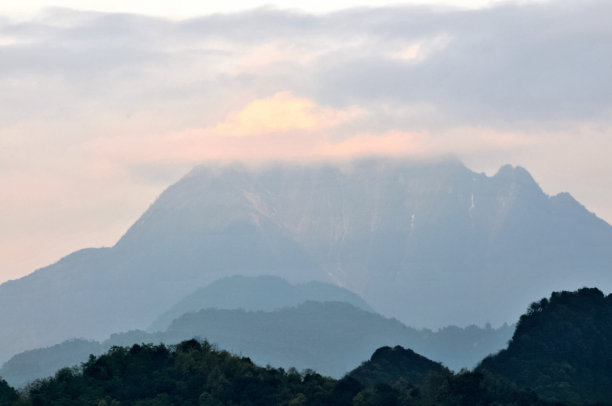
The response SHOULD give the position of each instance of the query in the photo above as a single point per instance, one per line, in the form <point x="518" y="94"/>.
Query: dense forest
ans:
<point x="562" y="348"/>
<point x="195" y="373"/>
<point x="387" y="365"/>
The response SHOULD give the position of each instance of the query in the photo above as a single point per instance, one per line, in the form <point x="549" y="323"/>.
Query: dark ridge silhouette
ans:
<point x="388" y="365"/>
<point x="562" y="348"/>
<point x="195" y="373"/>
<point x="8" y="395"/>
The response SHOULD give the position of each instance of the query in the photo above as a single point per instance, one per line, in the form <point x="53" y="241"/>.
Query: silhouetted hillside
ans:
<point x="195" y="374"/>
<point x="8" y="395"/>
<point x="398" y="376"/>
<point x="562" y="348"/>
<point x="387" y="365"/>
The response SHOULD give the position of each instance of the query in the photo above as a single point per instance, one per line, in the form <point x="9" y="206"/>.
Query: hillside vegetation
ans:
<point x="194" y="373"/>
<point x="562" y="348"/>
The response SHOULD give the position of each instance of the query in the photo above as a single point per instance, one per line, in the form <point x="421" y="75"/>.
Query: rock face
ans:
<point x="427" y="243"/>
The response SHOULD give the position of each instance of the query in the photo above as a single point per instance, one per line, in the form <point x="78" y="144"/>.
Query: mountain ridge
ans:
<point x="329" y="337"/>
<point x="426" y="243"/>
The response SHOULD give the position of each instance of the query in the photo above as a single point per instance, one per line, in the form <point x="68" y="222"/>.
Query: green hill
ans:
<point x="194" y="373"/>
<point x="562" y="348"/>
<point x="387" y="365"/>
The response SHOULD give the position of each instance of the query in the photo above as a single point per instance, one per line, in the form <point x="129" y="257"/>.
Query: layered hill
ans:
<point x="562" y="348"/>
<point x="194" y="373"/>
<point x="328" y="337"/>
<point x="265" y="293"/>
<point x="426" y="243"/>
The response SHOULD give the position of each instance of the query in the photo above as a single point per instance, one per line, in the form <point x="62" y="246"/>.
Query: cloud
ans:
<point x="281" y="113"/>
<point x="287" y="127"/>
<point x="275" y="127"/>
<point x="505" y="65"/>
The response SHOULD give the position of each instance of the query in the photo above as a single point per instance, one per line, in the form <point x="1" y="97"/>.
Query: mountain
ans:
<point x="426" y="243"/>
<point x="254" y="293"/>
<point x="562" y="349"/>
<point x="387" y="365"/>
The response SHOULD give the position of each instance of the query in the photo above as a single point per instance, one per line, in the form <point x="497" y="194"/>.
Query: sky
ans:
<point x="103" y="104"/>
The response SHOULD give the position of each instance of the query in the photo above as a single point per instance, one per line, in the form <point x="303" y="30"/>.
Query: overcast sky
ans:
<point x="103" y="104"/>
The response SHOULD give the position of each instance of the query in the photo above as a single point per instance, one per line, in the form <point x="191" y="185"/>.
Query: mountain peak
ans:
<point x="384" y="230"/>
<point x="516" y="173"/>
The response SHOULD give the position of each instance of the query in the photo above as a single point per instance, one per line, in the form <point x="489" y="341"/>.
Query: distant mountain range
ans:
<point x="427" y="243"/>
<point x="329" y="337"/>
<point x="559" y="355"/>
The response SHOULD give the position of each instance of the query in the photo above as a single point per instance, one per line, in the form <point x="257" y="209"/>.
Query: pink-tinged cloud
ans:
<point x="281" y="126"/>
<point x="286" y="127"/>
<point x="392" y="143"/>
<point x="282" y="113"/>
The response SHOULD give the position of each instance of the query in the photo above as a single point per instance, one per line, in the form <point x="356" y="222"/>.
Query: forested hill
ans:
<point x="562" y="348"/>
<point x="195" y="374"/>
<point x="8" y="395"/>
<point x="387" y="365"/>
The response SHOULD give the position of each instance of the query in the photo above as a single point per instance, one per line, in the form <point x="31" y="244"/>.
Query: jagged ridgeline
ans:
<point x="426" y="243"/>
<point x="562" y="348"/>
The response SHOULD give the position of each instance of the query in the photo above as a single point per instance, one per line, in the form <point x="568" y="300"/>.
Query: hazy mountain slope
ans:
<point x="396" y="232"/>
<point x="562" y="349"/>
<point x="44" y="362"/>
<point x="427" y="243"/>
<point x="265" y="293"/>
<point x="329" y="337"/>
